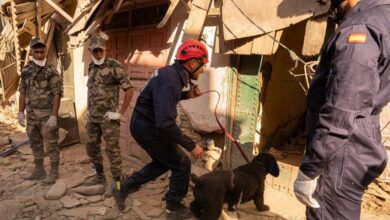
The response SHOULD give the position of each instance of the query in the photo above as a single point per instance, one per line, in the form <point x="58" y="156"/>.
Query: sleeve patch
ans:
<point x="357" y="38"/>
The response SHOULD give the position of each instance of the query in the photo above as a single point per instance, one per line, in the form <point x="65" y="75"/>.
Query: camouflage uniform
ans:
<point x="40" y="85"/>
<point x="103" y="84"/>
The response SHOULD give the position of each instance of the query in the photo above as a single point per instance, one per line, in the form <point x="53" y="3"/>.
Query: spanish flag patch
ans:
<point x="357" y="38"/>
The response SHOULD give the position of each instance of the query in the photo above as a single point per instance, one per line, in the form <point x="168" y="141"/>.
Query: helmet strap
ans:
<point x="191" y="73"/>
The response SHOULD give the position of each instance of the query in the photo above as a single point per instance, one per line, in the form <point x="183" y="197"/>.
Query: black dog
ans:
<point x="243" y="184"/>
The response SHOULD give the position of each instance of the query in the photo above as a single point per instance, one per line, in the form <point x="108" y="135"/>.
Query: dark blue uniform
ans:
<point x="154" y="127"/>
<point x="348" y="91"/>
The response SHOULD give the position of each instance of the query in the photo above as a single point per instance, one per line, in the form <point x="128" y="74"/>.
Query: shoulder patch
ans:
<point x="357" y="38"/>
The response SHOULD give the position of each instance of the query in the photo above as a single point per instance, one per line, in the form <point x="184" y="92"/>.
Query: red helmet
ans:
<point x="192" y="49"/>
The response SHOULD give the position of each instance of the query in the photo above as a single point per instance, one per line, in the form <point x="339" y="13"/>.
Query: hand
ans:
<point x="197" y="152"/>
<point x="21" y="119"/>
<point x="112" y="116"/>
<point x="304" y="188"/>
<point x="52" y="122"/>
<point x="194" y="92"/>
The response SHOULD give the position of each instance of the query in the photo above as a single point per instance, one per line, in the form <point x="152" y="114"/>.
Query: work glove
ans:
<point x="52" y="122"/>
<point x="21" y="119"/>
<point x="304" y="188"/>
<point x="112" y="116"/>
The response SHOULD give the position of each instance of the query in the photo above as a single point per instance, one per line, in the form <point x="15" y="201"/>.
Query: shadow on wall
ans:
<point x="300" y="7"/>
<point x="283" y="101"/>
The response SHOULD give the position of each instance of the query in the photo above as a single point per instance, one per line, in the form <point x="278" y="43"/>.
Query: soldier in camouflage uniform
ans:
<point x="40" y="95"/>
<point x="105" y="77"/>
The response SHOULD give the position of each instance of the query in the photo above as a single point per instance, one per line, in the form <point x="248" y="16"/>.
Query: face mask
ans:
<point x="39" y="62"/>
<point x="98" y="62"/>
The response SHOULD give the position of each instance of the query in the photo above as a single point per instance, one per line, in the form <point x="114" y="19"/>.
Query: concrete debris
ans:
<point x="95" y="198"/>
<point x="84" y="160"/>
<point x="84" y="201"/>
<point x="5" y="161"/>
<point x="75" y="180"/>
<point x="137" y="203"/>
<point x="155" y="212"/>
<point x="29" y="203"/>
<point x="30" y="209"/>
<point x="84" y="212"/>
<point x="79" y="196"/>
<point x="140" y="213"/>
<point x="89" y="190"/>
<point x="69" y="202"/>
<point x="25" y="149"/>
<point x="9" y="209"/>
<point x="111" y="214"/>
<point x="41" y="202"/>
<point x="24" y="185"/>
<point x="57" y="190"/>
<point x="18" y="138"/>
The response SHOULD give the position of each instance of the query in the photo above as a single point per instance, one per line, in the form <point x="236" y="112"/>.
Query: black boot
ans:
<point x="99" y="178"/>
<point x="53" y="175"/>
<point x="128" y="186"/>
<point x="177" y="210"/>
<point x="38" y="173"/>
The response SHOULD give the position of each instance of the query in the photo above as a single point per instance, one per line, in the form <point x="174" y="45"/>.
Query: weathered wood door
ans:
<point x="141" y="51"/>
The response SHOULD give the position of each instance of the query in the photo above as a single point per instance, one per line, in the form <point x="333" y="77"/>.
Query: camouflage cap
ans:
<point x="36" y="41"/>
<point x="97" y="42"/>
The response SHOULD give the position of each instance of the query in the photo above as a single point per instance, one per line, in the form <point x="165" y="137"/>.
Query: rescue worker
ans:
<point x="40" y="91"/>
<point x="153" y="126"/>
<point x="105" y="77"/>
<point x="350" y="87"/>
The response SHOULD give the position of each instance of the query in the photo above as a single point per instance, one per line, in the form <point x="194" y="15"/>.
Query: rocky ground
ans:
<point x="69" y="199"/>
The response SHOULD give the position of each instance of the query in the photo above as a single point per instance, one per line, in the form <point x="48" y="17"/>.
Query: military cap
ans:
<point x="36" y="41"/>
<point x="97" y="42"/>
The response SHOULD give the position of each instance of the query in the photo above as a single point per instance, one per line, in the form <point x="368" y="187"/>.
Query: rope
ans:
<point x="227" y="134"/>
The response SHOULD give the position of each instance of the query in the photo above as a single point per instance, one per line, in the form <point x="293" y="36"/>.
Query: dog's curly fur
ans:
<point x="244" y="184"/>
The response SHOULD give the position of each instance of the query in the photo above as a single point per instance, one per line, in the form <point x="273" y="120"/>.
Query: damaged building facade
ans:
<point x="262" y="56"/>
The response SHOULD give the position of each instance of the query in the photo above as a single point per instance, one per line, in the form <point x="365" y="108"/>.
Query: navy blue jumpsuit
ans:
<point x="346" y="96"/>
<point x="153" y="126"/>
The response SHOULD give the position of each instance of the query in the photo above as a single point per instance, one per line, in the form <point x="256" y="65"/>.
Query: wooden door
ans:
<point x="141" y="52"/>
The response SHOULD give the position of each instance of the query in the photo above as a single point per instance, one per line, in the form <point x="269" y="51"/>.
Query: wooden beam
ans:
<point x="16" y="39"/>
<point x="39" y="18"/>
<point x="169" y="12"/>
<point x="28" y="27"/>
<point x="25" y="16"/>
<point x="25" y="7"/>
<point x="214" y="12"/>
<point x="118" y="5"/>
<point x="81" y="19"/>
<point x="196" y="19"/>
<point x="60" y="10"/>
<point x="49" y="37"/>
<point x="186" y="5"/>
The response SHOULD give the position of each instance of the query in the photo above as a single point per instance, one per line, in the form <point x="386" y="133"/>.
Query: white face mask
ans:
<point x="39" y="62"/>
<point x="98" y="62"/>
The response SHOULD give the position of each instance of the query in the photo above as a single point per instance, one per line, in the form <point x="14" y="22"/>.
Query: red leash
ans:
<point x="223" y="129"/>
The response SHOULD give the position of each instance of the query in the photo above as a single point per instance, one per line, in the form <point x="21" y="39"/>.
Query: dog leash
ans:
<point x="227" y="134"/>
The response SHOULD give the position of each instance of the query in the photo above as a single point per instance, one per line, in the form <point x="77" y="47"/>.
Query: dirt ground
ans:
<point x="66" y="200"/>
